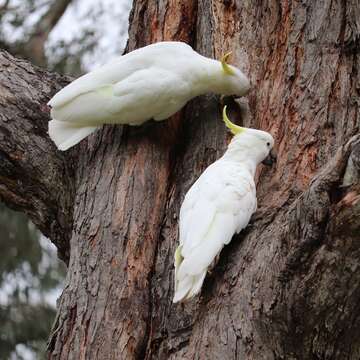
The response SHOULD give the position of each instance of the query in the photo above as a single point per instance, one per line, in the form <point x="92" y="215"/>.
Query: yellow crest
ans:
<point x="227" y="69"/>
<point x="235" y="129"/>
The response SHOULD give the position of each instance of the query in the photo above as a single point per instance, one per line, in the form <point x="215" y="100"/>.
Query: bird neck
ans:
<point x="211" y="78"/>
<point x="240" y="153"/>
<point x="241" y="159"/>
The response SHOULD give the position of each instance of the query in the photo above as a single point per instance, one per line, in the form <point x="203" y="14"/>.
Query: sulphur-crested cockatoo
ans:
<point x="218" y="205"/>
<point x="153" y="82"/>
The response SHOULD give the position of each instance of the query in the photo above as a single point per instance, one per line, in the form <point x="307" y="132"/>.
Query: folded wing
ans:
<point x="213" y="210"/>
<point x="144" y="95"/>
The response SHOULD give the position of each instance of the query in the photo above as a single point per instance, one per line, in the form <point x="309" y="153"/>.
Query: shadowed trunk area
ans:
<point x="287" y="287"/>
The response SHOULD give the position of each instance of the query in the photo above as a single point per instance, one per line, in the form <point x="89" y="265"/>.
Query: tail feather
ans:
<point x="65" y="134"/>
<point x="197" y="284"/>
<point x="182" y="289"/>
<point x="189" y="285"/>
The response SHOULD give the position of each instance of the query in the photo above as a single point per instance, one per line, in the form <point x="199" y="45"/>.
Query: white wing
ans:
<point x="219" y="204"/>
<point x="146" y="83"/>
<point x="122" y="67"/>
<point x="223" y="189"/>
<point x="143" y="95"/>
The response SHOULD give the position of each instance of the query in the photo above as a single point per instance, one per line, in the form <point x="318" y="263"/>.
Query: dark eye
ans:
<point x="268" y="144"/>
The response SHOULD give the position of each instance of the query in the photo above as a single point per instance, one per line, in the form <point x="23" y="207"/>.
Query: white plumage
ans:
<point x="218" y="205"/>
<point x="153" y="82"/>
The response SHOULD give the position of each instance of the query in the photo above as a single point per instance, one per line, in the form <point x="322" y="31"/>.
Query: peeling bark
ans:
<point x="285" y="288"/>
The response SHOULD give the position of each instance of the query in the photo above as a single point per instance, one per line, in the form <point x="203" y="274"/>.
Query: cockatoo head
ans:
<point x="236" y="82"/>
<point x="255" y="144"/>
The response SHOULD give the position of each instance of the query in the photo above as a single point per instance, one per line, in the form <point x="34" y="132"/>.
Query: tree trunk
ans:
<point x="287" y="287"/>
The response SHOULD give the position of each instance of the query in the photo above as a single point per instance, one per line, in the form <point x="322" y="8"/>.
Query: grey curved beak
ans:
<point x="270" y="159"/>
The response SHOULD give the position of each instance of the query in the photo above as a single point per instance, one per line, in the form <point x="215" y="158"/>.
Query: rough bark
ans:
<point x="288" y="286"/>
<point x="34" y="177"/>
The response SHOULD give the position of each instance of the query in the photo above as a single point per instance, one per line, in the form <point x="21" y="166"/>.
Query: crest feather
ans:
<point x="227" y="69"/>
<point x="235" y="129"/>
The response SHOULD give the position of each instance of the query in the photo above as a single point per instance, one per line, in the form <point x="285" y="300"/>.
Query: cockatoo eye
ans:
<point x="268" y="143"/>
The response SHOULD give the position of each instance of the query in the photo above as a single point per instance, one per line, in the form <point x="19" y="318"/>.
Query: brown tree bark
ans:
<point x="286" y="288"/>
<point x="34" y="177"/>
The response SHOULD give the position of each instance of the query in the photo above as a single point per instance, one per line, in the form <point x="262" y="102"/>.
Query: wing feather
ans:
<point x="218" y="205"/>
<point x="120" y="68"/>
<point x="221" y="231"/>
<point x="135" y="99"/>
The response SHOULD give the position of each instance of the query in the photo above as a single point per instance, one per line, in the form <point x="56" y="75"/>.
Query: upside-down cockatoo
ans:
<point x="152" y="82"/>
<point x="218" y="205"/>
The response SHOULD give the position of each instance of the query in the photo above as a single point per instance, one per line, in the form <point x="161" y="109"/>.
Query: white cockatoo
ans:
<point x="152" y="82"/>
<point x="218" y="205"/>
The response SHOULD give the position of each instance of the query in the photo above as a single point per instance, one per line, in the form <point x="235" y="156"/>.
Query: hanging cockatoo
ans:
<point x="218" y="205"/>
<point x="153" y="82"/>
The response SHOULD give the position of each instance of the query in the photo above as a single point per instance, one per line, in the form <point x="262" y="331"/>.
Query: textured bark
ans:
<point x="34" y="177"/>
<point x="288" y="287"/>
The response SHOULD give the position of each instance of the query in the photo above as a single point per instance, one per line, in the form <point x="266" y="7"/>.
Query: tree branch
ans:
<point x="34" y="176"/>
<point x="35" y="45"/>
<point x="48" y="21"/>
<point x="4" y="7"/>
